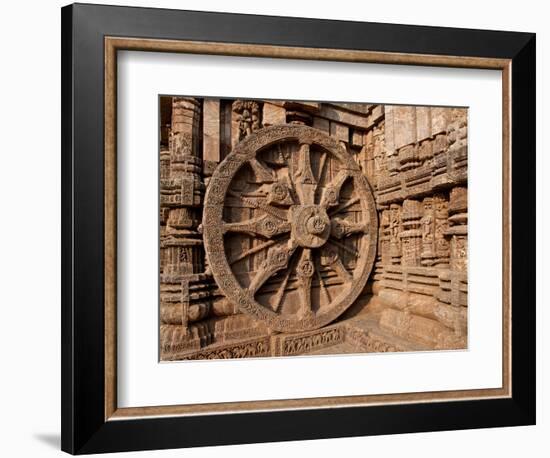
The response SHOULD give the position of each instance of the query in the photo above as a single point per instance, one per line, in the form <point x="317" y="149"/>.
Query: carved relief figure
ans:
<point x="441" y="226"/>
<point x="395" y="228"/>
<point x="249" y="116"/>
<point x="427" y="223"/>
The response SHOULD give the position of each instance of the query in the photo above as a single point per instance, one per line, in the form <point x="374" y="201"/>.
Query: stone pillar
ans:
<point x="394" y="231"/>
<point x="390" y="159"/>
<point x="441" y="243"/>
<point x="411" y="236"/>
<point x="181" y="250"/>
<point x="164" y="209"/>
<point x="384" y="237"/>
<point x="378" y="164"/>
<point x="427" y="230"/>
<point x="458" y="229"/>
<point x="182" y="191"/>
<point x="458" y="146"/>
<point x="211" y="147"/>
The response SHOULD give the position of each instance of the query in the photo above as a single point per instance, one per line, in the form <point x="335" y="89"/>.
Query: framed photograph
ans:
<point x="284" y="228"/>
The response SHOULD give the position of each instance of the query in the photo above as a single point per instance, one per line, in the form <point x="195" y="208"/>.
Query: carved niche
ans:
<point x="248" y="116"/>
<point x="290" y="227"/>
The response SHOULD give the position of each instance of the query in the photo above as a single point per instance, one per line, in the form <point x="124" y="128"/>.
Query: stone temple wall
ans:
<point x="415" y="160"/>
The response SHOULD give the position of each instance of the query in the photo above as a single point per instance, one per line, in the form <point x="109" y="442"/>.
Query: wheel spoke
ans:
<point x="265" y="226"/>
<point x="342" y="207"/>
<point x="322" y="285"/>
<point x="261" y="205"/>
<point x="305" y="270"/>
<point x="331" y="193"/>
<point x="281" y="291"/>
<point x="343" y="247"/>
<point x="279" y="193"/>
<point x="252" y="250"/>
<point x="277" y="259"/>
<point x="261" y="172"/>
<point x="304" y="180"/>
<point x="332" y="259"/>
<point x="341" y="228"/>
<point x="322" y="166"/>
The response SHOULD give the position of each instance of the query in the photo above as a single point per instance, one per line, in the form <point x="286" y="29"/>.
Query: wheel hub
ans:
<point x="310" y="225"/>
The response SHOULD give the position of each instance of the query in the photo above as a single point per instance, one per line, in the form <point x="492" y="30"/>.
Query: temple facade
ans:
<point x="304" y="228"/>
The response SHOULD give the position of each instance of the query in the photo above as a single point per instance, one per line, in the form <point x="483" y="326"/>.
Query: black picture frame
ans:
<point x="84" y="427"/>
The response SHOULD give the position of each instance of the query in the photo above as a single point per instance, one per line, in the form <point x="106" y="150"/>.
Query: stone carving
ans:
<point x="249" y="117"/>
<point x="298" y="228"/>
<point x="394" y="231"/>
<point x="434" y="222"/>
<point x="243" y="350"/>
<point x="427" y="229"/>
<point x="441" y="225"/>
<point x="301" y="234"/>
<point x="306" y="343"/>
<point x="458" y="228"/>
<point x="411" y="236"/>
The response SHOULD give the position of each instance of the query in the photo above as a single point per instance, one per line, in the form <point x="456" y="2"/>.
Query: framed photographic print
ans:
<point x="282" y="228"/>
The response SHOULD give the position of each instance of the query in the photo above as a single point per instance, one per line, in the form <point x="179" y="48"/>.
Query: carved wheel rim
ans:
<point x="313" y="255"/>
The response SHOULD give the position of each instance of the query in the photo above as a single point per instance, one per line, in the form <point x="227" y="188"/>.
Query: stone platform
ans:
<point x="356" y="334"/>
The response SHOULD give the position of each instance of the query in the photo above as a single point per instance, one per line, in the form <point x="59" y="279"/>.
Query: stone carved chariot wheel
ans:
<point x="290" y="227"/>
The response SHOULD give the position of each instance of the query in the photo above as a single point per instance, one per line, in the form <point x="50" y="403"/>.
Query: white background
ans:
<point x="143" y="381"/>
<point x="30" y="230"/>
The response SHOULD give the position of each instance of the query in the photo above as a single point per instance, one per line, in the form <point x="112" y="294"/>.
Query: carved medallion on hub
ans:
<point x="310" y="226"/>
